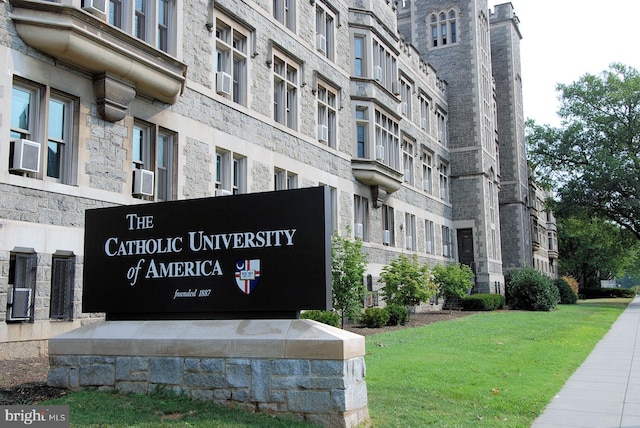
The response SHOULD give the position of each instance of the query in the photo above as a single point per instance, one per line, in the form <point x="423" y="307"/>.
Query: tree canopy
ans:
<point x="592" y="160"/>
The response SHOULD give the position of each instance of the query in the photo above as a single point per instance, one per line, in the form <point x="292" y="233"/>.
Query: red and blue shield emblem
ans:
<point x="247" y="274"/>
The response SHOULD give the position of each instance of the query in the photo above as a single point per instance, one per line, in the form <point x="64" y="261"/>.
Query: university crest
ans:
<point x="247" y="274"/>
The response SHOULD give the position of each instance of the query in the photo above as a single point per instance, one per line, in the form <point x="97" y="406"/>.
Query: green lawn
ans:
<point x="493" y="369"/>
<point x="489" y="369"/>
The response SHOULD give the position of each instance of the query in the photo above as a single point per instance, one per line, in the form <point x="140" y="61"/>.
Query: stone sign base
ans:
<point x="299" y="367"/>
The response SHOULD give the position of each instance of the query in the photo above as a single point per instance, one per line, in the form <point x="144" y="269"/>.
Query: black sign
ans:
<point x="244" y="256"/>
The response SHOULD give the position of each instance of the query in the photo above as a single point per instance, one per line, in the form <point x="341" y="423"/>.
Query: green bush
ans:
<point x="567" y="296"/>
<point x="531" y="291"/>
<point x="374" y="317"/>
<point x="483" y="302"/>
<point x="325" y="317"/>
<point x="398" y="315"/>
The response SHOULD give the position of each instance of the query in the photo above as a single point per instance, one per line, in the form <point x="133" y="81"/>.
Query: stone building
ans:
<point x="392" y="105"/>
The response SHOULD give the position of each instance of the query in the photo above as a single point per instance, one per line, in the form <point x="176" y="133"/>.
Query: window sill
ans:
<point x="122" y="65"/>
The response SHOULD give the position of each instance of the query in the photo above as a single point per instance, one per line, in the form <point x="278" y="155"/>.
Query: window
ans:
<point x="407" y="161"/>
<point x="424" y="113"/>
<point x="31" y="107"/>
<point x="284" y="180"/>
<point x="442" y="127"/>
<point x="285" y="92"/>
<point x="230" y="173"/>
<point x="443" y="28"/>
<point x="22" y="279"/>
<point x="361" y="217"/>
<point x="384" y="66"/>
<point x="430" y="236"/>
<point x="231" y="60"/>
<point x="151" y="21"/>
<point x="153" y="162"/>
<point x="360" y="65"/>
<point x="62" y="283"/>
<point x="388" y="228"/>
<point x="284" y="12"/>
<point x="410" y="232"/>
<point x="362" y="132"/>
<point x="427" y="178"/>
<point x="333" y="206"/>
<point x="447" y="242"/>
<point x="444" y="182"/>
<point x="327" y="114"/>
<point x="405" y="97"/>
<point x="325" y="31"/>
<point x="387" y="141"/>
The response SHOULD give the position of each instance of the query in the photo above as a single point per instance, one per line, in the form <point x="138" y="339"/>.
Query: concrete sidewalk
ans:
<point x="605" y="390"/>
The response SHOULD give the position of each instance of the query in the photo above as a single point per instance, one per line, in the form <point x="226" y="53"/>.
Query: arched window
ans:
<point x="443" y="29"/>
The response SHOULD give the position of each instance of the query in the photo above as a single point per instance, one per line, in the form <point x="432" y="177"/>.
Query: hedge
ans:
<point x="483" y="302"/>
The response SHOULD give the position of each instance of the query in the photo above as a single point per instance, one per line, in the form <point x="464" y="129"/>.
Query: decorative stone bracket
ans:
<point x="123" y="66"/>
<point x="382" y="179"/>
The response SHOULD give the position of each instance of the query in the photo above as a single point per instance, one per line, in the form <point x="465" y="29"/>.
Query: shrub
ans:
<point x="567" y="296"/>
<point x="374" y="317"/>
<point x="406" y="282"/>
<point x="398" y="315"/>
<point x="483" y="302"/>
<point x="532" y="291"/>
<point x="454" y="280"/>
<point x="325" y="317"/>
<point x="573" y="283"/>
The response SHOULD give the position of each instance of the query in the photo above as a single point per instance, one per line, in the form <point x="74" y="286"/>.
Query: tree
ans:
<point x="406" y="282"/>
<point x="348" y="264"/>
<point x="453" y="280"/>
<point x="593" y="159"/>
<point x="593" y="249"/>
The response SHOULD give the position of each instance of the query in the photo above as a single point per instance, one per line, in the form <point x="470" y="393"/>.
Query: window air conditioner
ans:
<point x="407" y="175"/>
<point x="359" y="230"/>
<point x="20" y="304"/>
<point x="380" y="152"/>
<point x="429" y="247"/>
<point x="405" y="108"/>
<point x="95" y="7"/>
<point x="223" y="83"/>
<point x="323" y="133"/>
<point x="424" y="123"/>
<point x="409" y="242"/>
<point x="223" y="192"/>
<point x="26" y="156"/>
<point x="321" y="43"/>
<point x="386" y="237"/>
<point x="395" y="88"/>
<point x="377" y="73"/>
<point x="426" y="185"/>
<point x="142" y="182"/>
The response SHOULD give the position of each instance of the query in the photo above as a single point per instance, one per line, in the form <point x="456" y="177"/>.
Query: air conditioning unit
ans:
<point x="386" y="237"/>
<point x="405" y="108"/>
<point x="223" y="83"/>
<point x="409" y="242"/>
<point x="426" y="185"/>
<point x="20" y="304"/>
<point x="377" y="73"/>
<point x="26" y="156"/>
<point x="323" y="133"/>
<point x="359" y="230"/>
<point x="380" y="152"/>
<point x="142" y="182"/>
<point x="95" y="7"/>
<point x="429" y="247"/>
<point x="395" y="88"/>
<point x="407" y="175"/>
<point x="321" y="43"/>
<point x="223" y="192"/>
<point x="424" y="123"/>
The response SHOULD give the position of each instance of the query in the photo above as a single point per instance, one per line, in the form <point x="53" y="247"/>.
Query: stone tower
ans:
<point x="454" y="37"/>
<point x="514" y="173"/>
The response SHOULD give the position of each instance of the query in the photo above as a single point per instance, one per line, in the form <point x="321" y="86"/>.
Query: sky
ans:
<point x="562" y="40"/>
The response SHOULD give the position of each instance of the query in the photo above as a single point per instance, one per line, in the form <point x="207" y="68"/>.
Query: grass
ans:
<point x="489" y="369"/>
